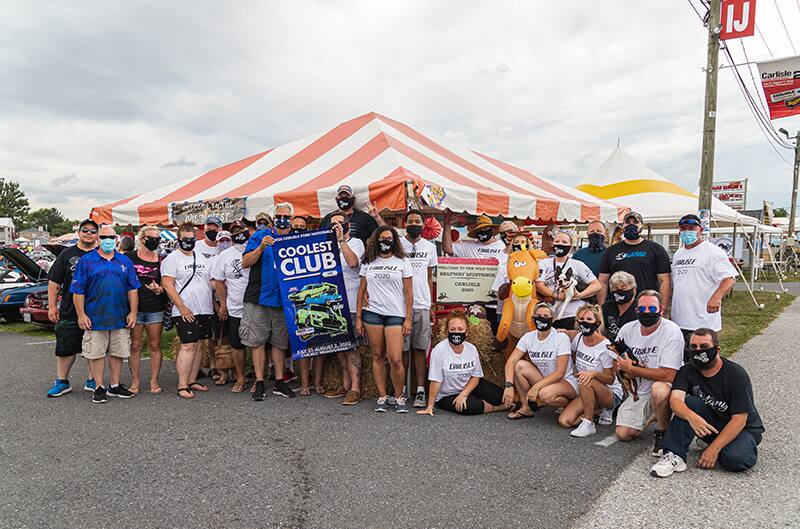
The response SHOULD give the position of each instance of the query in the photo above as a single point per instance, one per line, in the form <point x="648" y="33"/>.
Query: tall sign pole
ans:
<point x="793" y="211"/>
<point x="710" y="115"/>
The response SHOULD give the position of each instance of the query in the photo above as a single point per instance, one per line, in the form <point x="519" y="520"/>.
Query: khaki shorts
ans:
<point x="420" y="337"/>
<point x="97" y="343"/>
<point x="634" y="414"/>
<point x="261" y="325"/>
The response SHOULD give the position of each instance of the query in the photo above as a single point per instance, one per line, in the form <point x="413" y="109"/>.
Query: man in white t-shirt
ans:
<point x="657" y="344"/>
<point x="422" y="255"/>
<point x="230" y="278"/>
<point x="208" y="245"/>
<point x="701" y="275"/>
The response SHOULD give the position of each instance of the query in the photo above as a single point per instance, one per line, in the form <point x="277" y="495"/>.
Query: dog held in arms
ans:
<point x="565" y="282"/>
<point x="630" y="384"/>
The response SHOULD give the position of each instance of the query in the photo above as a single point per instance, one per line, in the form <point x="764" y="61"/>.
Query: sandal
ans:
<point x="199" y="387"/>
<point x="155" y="390"/>
<point x="320" y="389"/>
<point x="186" y="390"/>
<point x="305" y="392"/>
<point x="134" y="389"/>
<point x="515" y="416"/>
<point x="221" y="381"/>
<point x="237" y="387"/>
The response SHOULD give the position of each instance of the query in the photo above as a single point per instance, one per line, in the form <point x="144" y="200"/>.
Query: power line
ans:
<point x="784" y="25"/>
<point x="752" y="77"/>
<point x="765" y="40"/>
<point x="701" y="16"/>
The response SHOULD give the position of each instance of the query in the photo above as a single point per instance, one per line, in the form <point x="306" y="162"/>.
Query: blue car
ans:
<point x="12" y="299"/>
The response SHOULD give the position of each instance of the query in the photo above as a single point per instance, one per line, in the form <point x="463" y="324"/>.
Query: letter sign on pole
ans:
<point x="738" y="19"/>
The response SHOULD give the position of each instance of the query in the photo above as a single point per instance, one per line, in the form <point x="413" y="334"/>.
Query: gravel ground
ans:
<point x="765" y="496"/>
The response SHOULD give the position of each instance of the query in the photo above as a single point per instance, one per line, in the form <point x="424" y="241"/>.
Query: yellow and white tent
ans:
<point x="624" y="180"/>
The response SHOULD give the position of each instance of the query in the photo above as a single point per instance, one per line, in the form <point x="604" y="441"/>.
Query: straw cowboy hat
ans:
<point x="482" y="223"/>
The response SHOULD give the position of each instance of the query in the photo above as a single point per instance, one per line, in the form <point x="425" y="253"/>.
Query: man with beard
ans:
<point x="712" y="399"/>
<point x="362" y="224"/>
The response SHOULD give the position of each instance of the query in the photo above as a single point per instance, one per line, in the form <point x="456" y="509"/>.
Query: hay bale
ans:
<point x="332" y="374"/>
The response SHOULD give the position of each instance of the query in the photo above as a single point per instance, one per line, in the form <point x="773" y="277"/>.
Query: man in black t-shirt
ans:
<point x="647" y="261"/>
<point x="362" y="224"/>
<point x="69" y="336"/>
<point x="712" y="398"/>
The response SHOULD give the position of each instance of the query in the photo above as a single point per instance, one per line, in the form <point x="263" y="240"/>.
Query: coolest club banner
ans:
<point x="313" y="292"/>
<point x="780" y="80"/>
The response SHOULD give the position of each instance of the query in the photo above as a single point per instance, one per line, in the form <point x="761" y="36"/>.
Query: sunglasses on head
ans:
<point x="106" y="237"/>
<point x="688" y="222"/>
<point x="88" y="230"/>
<point x="642" y="309"/>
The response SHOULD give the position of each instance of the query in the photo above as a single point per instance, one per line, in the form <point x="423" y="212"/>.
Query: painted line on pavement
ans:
<point x="41" y="343"/>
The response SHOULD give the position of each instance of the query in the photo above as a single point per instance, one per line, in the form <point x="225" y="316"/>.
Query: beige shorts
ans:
<point x="97" y="343"/>
<point x="634" y="414"/>
<point x="420" y="337"/>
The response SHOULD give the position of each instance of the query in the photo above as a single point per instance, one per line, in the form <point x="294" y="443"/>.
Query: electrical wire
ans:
<point x="765" y="40"/>
<point x="752" y="77"/>
<point x="784" y="25"/>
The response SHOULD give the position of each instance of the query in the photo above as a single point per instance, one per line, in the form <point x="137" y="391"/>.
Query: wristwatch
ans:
<point x="509" y="384"/>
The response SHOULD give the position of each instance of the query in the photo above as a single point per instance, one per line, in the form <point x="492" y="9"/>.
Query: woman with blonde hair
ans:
<point x="598" y="388"/>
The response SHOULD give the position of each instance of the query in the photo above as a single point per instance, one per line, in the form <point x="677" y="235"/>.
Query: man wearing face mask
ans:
<point x="591" y="255"/>
<point x="712" y="399"/>
<point x="208" y="245"/>
<point x="299" y="224"/>
<point x="484" y="245"/>
<point x="701" y="274"/>
<point x="362" y="224"/>
<point x="647" y="261"/>
<point x="658" y="345"/>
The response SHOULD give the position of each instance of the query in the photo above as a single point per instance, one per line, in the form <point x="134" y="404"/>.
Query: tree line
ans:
<point x="14" y="204"/>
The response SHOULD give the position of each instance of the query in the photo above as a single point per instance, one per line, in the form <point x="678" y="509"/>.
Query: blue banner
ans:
<point x="313" y="291"/>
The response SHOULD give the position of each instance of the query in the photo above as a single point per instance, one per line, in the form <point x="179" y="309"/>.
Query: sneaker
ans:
<point x="90" y="385"/>
<point x="335" y="393"/>
<point x="391" y="401"/>
<point x="400" y="405"/>
<point x="289" y="376"/>
<point x="99" y="396"/>
<point x="382" y="404"/>
<point x="259" y="393"/>
<point x="419" y="400"/>
<point x="658" y="443"/>
<point x="606" y="417"/>
<point x="352" y="398"/>
<point x="282" y="388"/>
<point x="60" y="387"/>
<point x="121" y="391"/>
<point x="668" y="465"/>
<point x="584" y="429"/>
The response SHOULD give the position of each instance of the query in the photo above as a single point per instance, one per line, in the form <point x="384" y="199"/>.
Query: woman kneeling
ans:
<point x="456" y="375"/>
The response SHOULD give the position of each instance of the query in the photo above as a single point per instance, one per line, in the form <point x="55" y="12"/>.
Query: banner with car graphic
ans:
<point x="313" y="292"/>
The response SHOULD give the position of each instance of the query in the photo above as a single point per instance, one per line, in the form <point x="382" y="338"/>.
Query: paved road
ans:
<point x="792" y="286"/>
<point x="764" y="497"/>
<point x="225" y="461"/>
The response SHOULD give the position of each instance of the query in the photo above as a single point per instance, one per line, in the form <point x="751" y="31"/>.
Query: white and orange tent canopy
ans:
<point x="622" y="179"/>
<point x="384" y="161"/>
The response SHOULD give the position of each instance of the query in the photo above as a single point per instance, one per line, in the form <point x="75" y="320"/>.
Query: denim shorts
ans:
<point x="373" y="318"/>
<point x="147" y="318"/>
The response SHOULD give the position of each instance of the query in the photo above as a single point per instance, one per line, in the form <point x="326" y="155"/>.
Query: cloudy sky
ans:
<point x="102" y="100"/>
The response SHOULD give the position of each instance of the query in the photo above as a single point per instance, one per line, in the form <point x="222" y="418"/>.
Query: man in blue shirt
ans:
<point x="263" y="320"/>
<point x="105" y="294"/>
<point x="590" y="256"/>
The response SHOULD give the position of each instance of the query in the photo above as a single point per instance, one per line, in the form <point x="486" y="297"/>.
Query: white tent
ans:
<point x="624" y="180"/>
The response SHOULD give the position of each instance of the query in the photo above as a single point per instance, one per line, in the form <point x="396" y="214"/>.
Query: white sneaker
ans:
<point x="606" y="417"/>
<point x="419" y="400"/>
<point x="584" y="429"/>
<point x="667" y="465"/>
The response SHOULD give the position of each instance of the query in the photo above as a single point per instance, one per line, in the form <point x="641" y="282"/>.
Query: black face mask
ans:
<point x="240" y="238"/>
<point x="506" y="237"/>
<point x="456" y="338"/>
<point x="623" y="296"/>
<point x="542" y="323"/>
<point x="187" y="243"/>
<point x="345" y="203"/>
<point x="588" y="329"/>
<point x="519" y="247"/>
<point x="414" y="231"/>
<point x="151" y="243"/>
<point x="299" y="230"/>
<point x="211" y="235"/>
<point x="484" y="236"/>
<point x="597" y="242"/>
<point x="385" y="246"/>
<point x="560" y="250"/>
<point x="345" y="227"/>
<point x="631" y="232"/>
<point x="648" y="319"/>
<point x="704" y="358"/>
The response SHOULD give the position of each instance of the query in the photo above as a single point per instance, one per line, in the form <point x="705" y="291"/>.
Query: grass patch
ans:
<point x="741" y="320"/>
<point x="27" y="329"/>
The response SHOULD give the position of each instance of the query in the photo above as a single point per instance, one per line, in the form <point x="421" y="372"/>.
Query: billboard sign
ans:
<point x="780" y="80"/>
<point x="732" y="193"/>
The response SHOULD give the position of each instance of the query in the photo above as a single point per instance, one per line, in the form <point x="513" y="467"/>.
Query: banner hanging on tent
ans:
<point x="227" y="209"/>
<point x="313" y="292"/>
<point x="780" y="81"/>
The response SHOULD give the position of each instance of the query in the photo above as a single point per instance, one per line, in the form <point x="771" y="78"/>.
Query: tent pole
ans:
<point x="739" y="272"/>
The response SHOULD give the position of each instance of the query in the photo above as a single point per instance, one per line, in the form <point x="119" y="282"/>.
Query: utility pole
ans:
<point x="710" y="116"/>
<point x="793" y="211"/>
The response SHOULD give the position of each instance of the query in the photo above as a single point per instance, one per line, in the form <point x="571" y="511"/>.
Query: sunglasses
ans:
<point x="88" y="230"/>
<point x="282" y="217"/>
<point x="106" y="237"/>
<point x="688" y="222"/>
<point x="695" y="347"/>
<point x="642" y="309"/>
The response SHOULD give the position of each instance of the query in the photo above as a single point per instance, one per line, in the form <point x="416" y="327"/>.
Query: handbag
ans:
<point x="223" y="357"/>
<point x="169" y="321"/>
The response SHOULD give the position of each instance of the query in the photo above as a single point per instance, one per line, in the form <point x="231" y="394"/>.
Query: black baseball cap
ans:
<point x="88" y="221"/>
<point x="690" y="220"/>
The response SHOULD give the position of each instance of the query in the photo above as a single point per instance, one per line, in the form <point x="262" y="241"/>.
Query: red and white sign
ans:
<point x="738" y="19"/>
<point x="780" y="80"/>
<point x="732" y="193"/>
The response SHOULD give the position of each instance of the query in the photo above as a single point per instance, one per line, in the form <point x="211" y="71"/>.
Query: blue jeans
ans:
<point x="739" y="455"/>
<point x="373" y="318"/>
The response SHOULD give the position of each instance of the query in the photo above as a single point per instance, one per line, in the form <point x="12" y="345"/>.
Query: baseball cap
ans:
<point x="345" y="189"/>
<point x="214" y="219"/>
<point x="236" y="227"/>
<point x="635" y="215"/>
<point x="690" y="220"/>
<point x="223" y="234"/>
<point x="88" y="221"/>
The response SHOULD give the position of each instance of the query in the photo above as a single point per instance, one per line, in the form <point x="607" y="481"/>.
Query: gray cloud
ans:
<point x="180" y="162"/>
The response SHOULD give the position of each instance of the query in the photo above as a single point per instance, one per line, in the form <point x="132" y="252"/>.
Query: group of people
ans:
<point x="607" y="351"/>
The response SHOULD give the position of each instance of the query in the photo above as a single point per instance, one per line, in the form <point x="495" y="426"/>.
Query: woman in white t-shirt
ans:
<point x="185" y="276"/>
<point x="456" y="375"/>
<point x="384" y="310"/>
<point x="546" y="379"/>
<point x="547" y="285"/>
<point x="598" y="388"/>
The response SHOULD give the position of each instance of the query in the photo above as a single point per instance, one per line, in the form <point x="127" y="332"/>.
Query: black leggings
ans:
<point x="484" y="391"/>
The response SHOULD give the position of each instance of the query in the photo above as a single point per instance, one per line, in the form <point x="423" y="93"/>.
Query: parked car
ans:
<point x="32" y="279"/>
<point x="34" y="309"/>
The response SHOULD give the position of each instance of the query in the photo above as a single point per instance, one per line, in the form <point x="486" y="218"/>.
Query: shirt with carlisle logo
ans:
<point x="644" y="261"/>
<point x="422" y="256"/>
<point x="662" y="348"/>
<point x="105" y="283"/>
<point x="544" y="353"/>
<point x="453" y="369"/>
<point x="384" y="278"/>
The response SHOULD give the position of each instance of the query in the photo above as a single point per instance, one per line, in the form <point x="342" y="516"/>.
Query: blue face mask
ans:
<point x="688" y="237"/>
<point x="108" y="245"/>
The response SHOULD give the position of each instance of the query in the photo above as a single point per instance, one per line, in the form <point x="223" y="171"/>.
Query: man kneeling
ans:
<point x="712" y="399"/>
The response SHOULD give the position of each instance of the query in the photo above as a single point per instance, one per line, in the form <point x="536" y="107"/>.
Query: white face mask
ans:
<point x="239" y="246"/>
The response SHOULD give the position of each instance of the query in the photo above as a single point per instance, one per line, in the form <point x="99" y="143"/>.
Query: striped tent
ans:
<point x="384" y="161"/>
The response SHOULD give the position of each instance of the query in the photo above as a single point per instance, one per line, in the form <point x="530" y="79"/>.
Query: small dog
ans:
<point x="630" y="384"/>
<point x="567" y="283"/>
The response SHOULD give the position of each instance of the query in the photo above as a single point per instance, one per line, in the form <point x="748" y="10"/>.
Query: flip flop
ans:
<point x="185" y="390"/>
<point x="221" y="381"/>
<point x="155" y="390"/>
<point x="305" y="392"/>
<point x="237" y="388"/>
<point x="515" y="416"/>
<point x="199" y="387"/>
